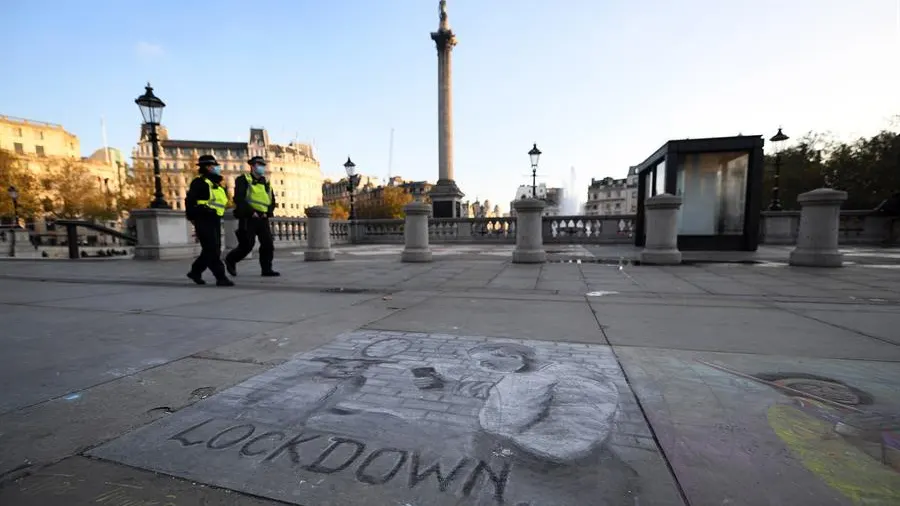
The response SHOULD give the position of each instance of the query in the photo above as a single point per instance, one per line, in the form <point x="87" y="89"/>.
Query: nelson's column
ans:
<point x="445" y="195"/>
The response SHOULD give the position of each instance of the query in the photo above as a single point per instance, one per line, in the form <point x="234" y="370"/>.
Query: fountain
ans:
<point x="571" y="203"/>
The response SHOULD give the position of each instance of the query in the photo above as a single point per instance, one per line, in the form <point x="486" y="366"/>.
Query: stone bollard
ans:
<point x="661" y="218"/>
<point x="529" y="232"/>
<point x="415" y="233"/>
<point x="817" y="241"/>
<point x="318" y="248"/>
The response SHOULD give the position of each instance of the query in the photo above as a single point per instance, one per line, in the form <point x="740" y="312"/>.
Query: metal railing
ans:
<point x="72" y="234"/>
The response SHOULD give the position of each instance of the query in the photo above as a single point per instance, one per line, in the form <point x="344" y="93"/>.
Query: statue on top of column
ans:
<point x="444" y="22"/>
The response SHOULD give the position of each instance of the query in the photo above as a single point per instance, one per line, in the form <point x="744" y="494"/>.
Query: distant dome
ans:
<point x="115" y="156"/>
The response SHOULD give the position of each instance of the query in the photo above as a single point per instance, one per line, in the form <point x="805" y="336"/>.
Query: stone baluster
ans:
<point x="661" y="246"/>
<point x="817" y="241"/>
<point x="318" y="247"/>
<point x="529" y="232"/>
<point x="415" y="233"/>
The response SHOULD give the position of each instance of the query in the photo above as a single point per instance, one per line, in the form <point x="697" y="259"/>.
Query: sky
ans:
<point x="598" y="85"/>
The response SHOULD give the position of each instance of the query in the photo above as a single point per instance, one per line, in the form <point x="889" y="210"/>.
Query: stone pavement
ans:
<point x="465" y="381"/>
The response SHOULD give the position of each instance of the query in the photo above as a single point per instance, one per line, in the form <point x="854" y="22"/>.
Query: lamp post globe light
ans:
<point x="350" y="167"/>
<point x="151" y="109"/>
<point x="14" y="196"/>
<point x="778" y="141"/>
<point x="535" y="154"/>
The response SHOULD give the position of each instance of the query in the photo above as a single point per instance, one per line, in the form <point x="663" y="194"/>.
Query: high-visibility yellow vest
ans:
<point x="259" y="196"/>
<point x="218" y="199"/>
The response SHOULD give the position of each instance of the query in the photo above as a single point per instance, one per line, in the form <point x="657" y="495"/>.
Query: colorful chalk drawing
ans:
<point x="831" y="429"/>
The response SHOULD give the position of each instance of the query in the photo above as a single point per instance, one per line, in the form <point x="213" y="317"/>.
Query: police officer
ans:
<point x="205" y="206"/>
<point x="254" y="204"/>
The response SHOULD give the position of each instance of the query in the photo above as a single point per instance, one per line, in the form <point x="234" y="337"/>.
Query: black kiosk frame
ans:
<point x="709" y="175"/>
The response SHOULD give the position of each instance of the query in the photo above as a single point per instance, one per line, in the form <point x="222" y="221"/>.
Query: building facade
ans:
<point x="293" y="169"/>
<point x="39" y="146"/>
<point x="552" y="197"/>
<point x="337" y="191"/>
<point x="609" y="196"/>
<point x="369" y="190"/>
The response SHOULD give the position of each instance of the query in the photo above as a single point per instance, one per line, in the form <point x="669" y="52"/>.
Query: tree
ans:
<point x="137" y="189"/>
<point x="340" y="210"/>
<point x="387" y="203"/>
<point x="868" y="169"/>
<point x="15" y="172"/>
<point x="72" y="192"/>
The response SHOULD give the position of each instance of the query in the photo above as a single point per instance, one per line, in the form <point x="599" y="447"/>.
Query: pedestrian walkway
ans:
<point x="467" y="381"/>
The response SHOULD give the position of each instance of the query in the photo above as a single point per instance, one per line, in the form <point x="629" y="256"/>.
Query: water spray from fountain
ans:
<point x="571" y="203"/>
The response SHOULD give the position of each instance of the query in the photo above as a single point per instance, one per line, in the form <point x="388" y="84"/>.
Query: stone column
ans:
<point x="817" y="242"/>
<point x="445" y="194"/>
<point x="415" y="233"/>
<point x="529" y="232"/>
<point x="163" y="234"/>
<point x="318" y="234"/>
<point x="661" y="218"/>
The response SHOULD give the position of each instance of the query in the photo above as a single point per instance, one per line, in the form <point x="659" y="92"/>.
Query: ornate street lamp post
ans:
<point x="151" y="109"/>
<point x="778" y="140"/>
<point x="350" y="167"/>
<point x="14" y="196"/>
<point x="535" y="154"/>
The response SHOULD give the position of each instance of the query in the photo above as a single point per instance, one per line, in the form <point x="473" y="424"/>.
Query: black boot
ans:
<point x="196" y="278"/>
<point x="270" y="274"/>
<point x="224" y="282"/>
<point x="231" y="267"/>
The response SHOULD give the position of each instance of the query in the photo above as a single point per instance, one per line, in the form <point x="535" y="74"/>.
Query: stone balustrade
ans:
<point x="854" y="227"/>
<point x="776" y="228"/>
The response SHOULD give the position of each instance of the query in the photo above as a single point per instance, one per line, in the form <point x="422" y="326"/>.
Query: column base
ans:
<point x="529" y="257"/>
<point x="318" y="255"/>
<point x="416" y="255"/>
<point x="813" y="258"/>
<point x="445" y="199"/>
<point x="660" y="257"/>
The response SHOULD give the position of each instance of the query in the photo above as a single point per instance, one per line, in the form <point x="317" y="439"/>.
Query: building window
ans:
<point x="39" y="134"/>
<point x="39" y="150"/>
<point x="20" y="150"/>
<point x="18" y="132"/>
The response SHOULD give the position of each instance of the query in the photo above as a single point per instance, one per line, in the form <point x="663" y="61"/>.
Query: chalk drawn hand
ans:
<point x="427" y="378"/>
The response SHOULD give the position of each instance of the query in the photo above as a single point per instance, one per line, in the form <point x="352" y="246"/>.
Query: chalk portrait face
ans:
<point x="504" y="357"/>
<point x="815" y="386"/>
<point x="832" y="391"/>
<point x="340" y="368"/>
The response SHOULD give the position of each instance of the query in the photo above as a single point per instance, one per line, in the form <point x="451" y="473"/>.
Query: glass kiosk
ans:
<point x="719" y="181"/>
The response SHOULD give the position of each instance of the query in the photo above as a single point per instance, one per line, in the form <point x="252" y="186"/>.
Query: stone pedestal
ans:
<point x="163" y="234"/>
<point x="817" y="242"/>
<point x="529" y="233"/>
<point x="661" y="218"/>
<point x="446" y="199"/>
<point x="318" y="233"/>
<point x="415" y="233"/>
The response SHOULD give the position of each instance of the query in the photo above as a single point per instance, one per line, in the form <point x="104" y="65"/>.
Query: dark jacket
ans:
<point x="199" y="190"/>
<point x="241" y="208"/>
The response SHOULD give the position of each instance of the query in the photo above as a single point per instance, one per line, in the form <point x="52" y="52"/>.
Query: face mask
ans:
<point x="217" y="170"/>
<point x="260" y="170"/>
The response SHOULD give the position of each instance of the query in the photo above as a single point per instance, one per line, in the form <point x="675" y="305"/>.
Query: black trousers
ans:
<point x="209" y="233"/>
<point x="249" y="230"/>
